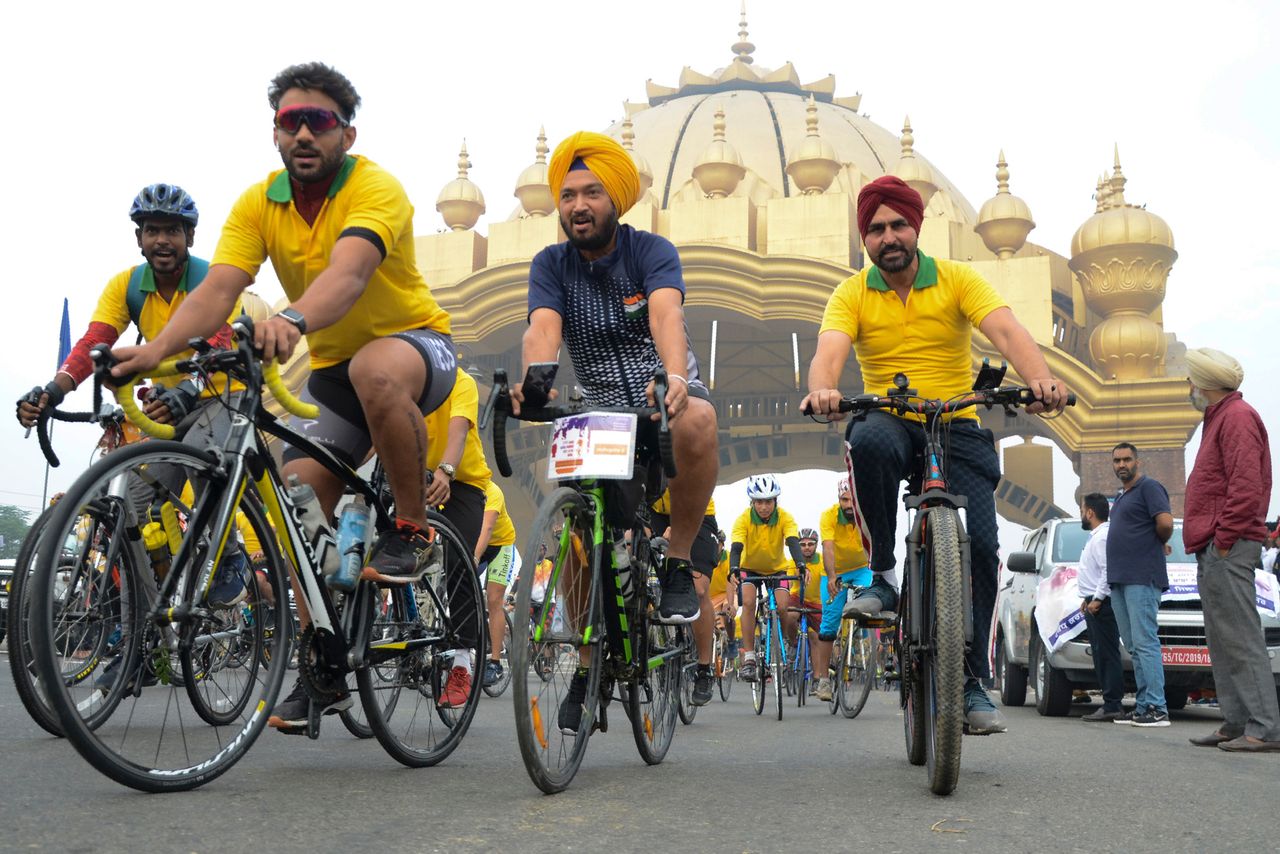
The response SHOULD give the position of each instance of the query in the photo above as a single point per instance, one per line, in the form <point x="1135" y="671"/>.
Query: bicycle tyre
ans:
<point x="552" y="757"/>
<point x="777" y="664"/>
<point x="25" y="681"/>
<point x="725" y="671"/>
<point x="499" y="688"/>
<point x="835" y="665"/>
<point x="420" y="673"/>
<point x="653" y="714"/>
<point x="943" y="671"/>
<point x="169" y="764"/>
<point x="688" y="673"/>
<point x="762" y="671"/>
<point x="802" y="668"/>
<point x="857" y="671"/>
<point x="911" y="685"/>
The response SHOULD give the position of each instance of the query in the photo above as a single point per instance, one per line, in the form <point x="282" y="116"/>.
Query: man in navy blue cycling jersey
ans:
<point x="615" y="296"/>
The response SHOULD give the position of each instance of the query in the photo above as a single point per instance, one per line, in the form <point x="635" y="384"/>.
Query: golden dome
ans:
<point x="532" y="188"/>
<point x="1118" y="223"/>
<point x="719" y="169"/>
<point x="813" y="165"/>
<point x="911" y="169"/>
<point x="767" y="110"/>
<point x="1005" y="220"/>
<point x="461" y="202"/>
<point x="642" y="165"/>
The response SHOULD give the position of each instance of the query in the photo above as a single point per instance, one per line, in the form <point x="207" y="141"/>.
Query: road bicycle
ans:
<point x="934" y="623"/>
<point x="597" y="603"/>
<point x="726" y="666"/>
<point x="203" y="677"/>
<point x="770" y="646"/>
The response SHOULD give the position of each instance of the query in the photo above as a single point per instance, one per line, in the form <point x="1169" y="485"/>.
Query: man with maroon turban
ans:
<point x="910" y="313"/>
<point x="615" y="296"/>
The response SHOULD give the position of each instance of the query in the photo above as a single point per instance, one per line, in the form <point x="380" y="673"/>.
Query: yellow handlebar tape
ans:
<point x="271" y="378"/>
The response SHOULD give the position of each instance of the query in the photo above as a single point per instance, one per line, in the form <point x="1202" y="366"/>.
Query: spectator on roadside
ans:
<point x="1141" y="525"/>
<point x="1224" y="526"/>
<point x="1095" y="592"/>
<point x="1270" y="550"/>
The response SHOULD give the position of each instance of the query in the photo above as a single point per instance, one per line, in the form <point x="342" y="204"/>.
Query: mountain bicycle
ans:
<point x="934" y="623"/>
<point x="203" y="677"/>
<point x="597" y="603"/>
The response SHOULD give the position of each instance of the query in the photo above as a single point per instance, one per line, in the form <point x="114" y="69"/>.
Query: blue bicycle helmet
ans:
<point x="164" y="200"/>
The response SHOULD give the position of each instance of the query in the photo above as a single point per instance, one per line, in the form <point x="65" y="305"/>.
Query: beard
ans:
<point x="595" y="241"/>
<point x="329" y="164"/>
<point x="1198" y="400"/>
<point x="898" y="262"/>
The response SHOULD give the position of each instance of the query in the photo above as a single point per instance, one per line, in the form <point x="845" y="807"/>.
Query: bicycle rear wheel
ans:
<point x="155" y="741"/>
<point x="837" y="662"/>
<point x="410" y="660"/>
<point x="857" y="671"/>
<point x="688" y="673"/>
<point x="556" y="648"/>
<point x="655" y="698"/>
<point x="943" y="664"/>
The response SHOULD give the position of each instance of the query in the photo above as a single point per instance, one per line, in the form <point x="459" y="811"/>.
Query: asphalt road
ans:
<point x="732" y="782"/>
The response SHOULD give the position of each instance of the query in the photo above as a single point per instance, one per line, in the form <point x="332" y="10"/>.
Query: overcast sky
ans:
<point x="104" y="98"/>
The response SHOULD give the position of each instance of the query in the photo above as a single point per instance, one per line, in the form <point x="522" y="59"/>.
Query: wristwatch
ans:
<point x="295" y="317"/>
<point x="447" y="469"/>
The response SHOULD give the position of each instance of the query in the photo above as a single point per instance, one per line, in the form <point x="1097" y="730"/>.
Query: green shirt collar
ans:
<point x="148" y="283"/>
<point x="755" y="517"/>
<point x="815" y="558"/>
<point x="281" y="189"/>
<point x="926" y="275"/>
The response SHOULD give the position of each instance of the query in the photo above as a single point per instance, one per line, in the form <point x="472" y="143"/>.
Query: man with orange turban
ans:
<point x="910" y="313"/>
<point x="615" y="296"/>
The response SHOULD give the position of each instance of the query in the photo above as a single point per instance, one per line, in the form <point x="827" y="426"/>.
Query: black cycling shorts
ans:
<point x="341" y="427"/>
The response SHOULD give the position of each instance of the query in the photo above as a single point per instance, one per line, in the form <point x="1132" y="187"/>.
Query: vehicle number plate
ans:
<point x="1196" y="656"/>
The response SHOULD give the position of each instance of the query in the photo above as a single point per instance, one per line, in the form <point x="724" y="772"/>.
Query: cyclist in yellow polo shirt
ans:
<point x="723" y="593"/>
<point x="757" y="548"/>
<point x="815" y="586"/>
<point x="703" y="557"/>
<point x="338" y="230"/>
<point x="496" y="557"/>
<point x="910" y="313"/>
<point x="460" y="479"/>
<point x="845" y="562"/>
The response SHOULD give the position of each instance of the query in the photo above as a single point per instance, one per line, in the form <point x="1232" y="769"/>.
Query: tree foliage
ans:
<point x="14" y="524"/>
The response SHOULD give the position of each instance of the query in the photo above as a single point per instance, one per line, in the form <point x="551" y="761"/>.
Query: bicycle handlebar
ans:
<point x="901" y="401"/>
<point x="205" y="361"/>
<point x="42" y="429"/>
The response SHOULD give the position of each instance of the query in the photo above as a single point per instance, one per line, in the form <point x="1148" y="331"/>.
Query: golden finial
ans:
<point x="629" y="143"/>
<point x="813" y="164"/>
<point x="743" y="48"/>
<point x="719" y="169"/>
<point x="460" y="202"/>
<point x="911" y="169"/>
<point x="1117" y="182"/>
<point x="1005" y="220"/>
<point x="718" y="126"/>
<point x="532" y="188"/>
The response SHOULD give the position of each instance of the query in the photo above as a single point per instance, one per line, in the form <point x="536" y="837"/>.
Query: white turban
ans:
<point x="1213" y="370"/>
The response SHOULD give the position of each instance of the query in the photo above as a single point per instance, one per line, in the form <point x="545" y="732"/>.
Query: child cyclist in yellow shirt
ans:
<point x="844" y="560"/>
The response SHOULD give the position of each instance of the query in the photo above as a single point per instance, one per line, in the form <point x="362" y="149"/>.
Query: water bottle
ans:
<point x="352" y="525"/>
<point x="157" y="545"/>
<point x="622" y="563"/>
<point x="308" y="514"/>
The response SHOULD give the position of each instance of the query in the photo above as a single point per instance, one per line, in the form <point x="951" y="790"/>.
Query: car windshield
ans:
<point x="1070" y="540"/>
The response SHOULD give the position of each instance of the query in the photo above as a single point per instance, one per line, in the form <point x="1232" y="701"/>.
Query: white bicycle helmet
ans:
<point x="808" y="534"/>
<point x="763" y="486"/>
<point x="842" y="487"/>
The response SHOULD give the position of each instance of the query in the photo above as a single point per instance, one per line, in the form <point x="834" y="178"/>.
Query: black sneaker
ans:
<point x="1125" y="719"/>
<point x="396" y="554"/>
<point x="228" y="588"/>
<point x="702" y="685"/>
<point x="1152" y="717"/>
<point x="492" y="673"/>
<point x="291" y="712"/>
<point x="571" y="705"/>
<point x="679" y="603"/>
<point x="747" y="671"/>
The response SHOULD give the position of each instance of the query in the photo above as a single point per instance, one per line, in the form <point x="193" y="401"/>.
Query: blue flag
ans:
<point x="64" y="336"/>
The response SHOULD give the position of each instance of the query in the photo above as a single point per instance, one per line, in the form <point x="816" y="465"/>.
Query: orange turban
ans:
<point x="606" y="159"/>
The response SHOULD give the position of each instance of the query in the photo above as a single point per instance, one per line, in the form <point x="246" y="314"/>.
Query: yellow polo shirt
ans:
<point x="113" y="310"/>
<point x="264" y="224"/>
<point x="463" y="402"/>
<point x="663" y="505"/>
<point x="764" y="549"/>
<point x="815" y="588"/>
<point x="720" y="577"/>
<point x="927" y="338"/>
<point x="504" y="531"/>
<point x="847" y="539"/>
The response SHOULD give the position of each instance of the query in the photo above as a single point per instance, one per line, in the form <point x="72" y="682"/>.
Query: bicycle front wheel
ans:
<point x="654" y="700"/>
<point x="725" y="670"/>
<point x="688" y="674"/>
<point x="777" y="663"/>
<point x="157" y="739"/>
<point x="759" y="684"/>
<point x="556" y="652"/>
<point x="417" y="701"/>
<point x="943" y="662"/>
<point x="857" y="671"/>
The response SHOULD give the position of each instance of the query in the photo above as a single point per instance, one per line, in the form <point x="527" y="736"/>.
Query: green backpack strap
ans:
<point x="197" y="269"/>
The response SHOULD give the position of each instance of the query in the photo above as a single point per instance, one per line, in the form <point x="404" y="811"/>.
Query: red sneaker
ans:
<point x="457" y="690"/>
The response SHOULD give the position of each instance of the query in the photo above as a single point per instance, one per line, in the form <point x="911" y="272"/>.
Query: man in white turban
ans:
<point x="1224" y="526"/>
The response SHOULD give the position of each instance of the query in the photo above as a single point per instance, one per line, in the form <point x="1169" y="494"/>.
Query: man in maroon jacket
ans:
<point x="1224" y="525"/>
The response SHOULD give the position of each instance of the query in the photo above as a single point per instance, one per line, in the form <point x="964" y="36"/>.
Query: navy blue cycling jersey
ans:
<point x="603" y="306"/>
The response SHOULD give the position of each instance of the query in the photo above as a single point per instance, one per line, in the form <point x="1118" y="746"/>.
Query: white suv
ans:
<point x="1018" y="651"/>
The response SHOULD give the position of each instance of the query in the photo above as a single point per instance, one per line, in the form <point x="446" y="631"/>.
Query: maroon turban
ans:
<point x="893" y="192"/>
